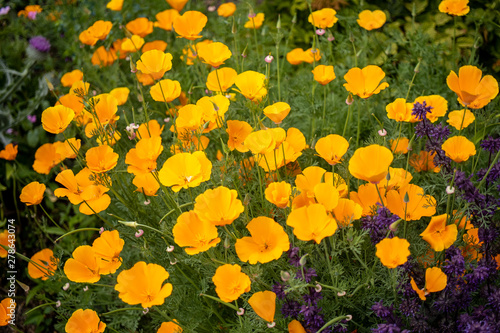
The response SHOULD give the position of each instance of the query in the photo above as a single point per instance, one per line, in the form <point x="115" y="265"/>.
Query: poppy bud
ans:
<point x="285" y="276"/>
<point x="132" y="224"/>
<point x="406" y="198"/>
<point x="349" y="100"/>
<point x="278" y="24"/>
<point x="227" y="243"/>
<point x="303" y="260"/>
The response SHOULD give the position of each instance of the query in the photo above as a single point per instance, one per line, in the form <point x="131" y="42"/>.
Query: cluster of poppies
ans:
<point x="308" y="203"/>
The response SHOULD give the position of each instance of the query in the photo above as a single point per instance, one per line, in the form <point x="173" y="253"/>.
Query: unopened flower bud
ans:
<point x="49" y="84"/>
<point x="139" y="233"/>
<point x="227" y="243"/>
<point x="320" y="32"/>
<point x="303" y="260"/>
<point x="388" y="176"/>
<point x="330" y="37"/>
<point x="278" y="24"/>
<point x="349" y="100"/>
<point x="450" y="189"/>
<point x="406" y="198"/>
<point x="131" y="224"/>
<point x="382" y="132"/>
<point x="285" y="276"/>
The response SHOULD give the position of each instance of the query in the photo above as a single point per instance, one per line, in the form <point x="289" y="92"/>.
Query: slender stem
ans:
<point x="347" y="120"/>
<point x="38" y="307"/>
<point x="120" y="310"/>
<point x="50" y="218"/>
<point x="75" y="231"/>
<point x="220" y="301"/>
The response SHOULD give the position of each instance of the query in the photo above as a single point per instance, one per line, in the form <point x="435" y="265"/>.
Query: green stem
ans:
<point x="120" y="310"/>
<point x="38" y="307"/>
<point x="75" y="231"/>
<point x="220" y="301"/>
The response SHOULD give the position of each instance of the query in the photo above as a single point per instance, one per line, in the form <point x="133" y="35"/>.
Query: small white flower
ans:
<point x="58" y="304"/>
<point x="86" y="288"/>
<point x="146" y="310"/>
<point x="240" y="312"/>
<point x="271" y="325"/>
<point x="349" y="317"/>
<point x="147" y="202"/>
<point x="382" y="132"/>
<point x="66" y="286"/>
<point x="269" y="59"/>
<point x="211" y="8"/>
<point x="318" y="288"/>
<point x="170" y="248"/>
<point x="450" y="190"/>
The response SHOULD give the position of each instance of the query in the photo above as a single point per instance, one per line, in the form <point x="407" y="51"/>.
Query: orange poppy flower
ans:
<point x="238" y="131"/>
<point x="323" y="74"/>
<point x="75" y="103"/>
<point x="454" y="7"/>
<point x="155" y="63"/>
<point x="144" y="79"/>
<point x="149" y="129"/>
<point x="120" y="94"/>
<point x="115" y="5"/>
<point x="197" y="235"/>
<point x="214" y="108"/>
<point x="277" y="112"/>
<point x="69" y="148"/>
<point x="310" y="177"/>
<point x="29" y="10"/>
<point x="459" y="148"/>
<point x="399" y="111"/>
<point x="311" y="223"/>
<point x="460" y="121"/>
<point x="190" y="24"/>
<point x="346" y="212"/>
<point x="143" y="284"/>
<point x="55" y="119"/>
<point x="393" y="252"/>
<point x="221" y="78"/>
<point x="370" y="163"/>
<point x="311" y="55"/>
<point x="104" y="108"/>
<point x="255" y="22"/>
<point x="295" y="56"/>
<point x="323" y="18"/>
<point x="365" y="82"/>
<point x="69" y="78"/>
<point x="9" y="153"/>
<point x="140" y="26"/>
<point x="146" y="183"/>
<point x="177" y="4"/>
<point x="5" y="240"/>
<point x="185" y="170"/>
<point x="7" y="306"/>
<point x="101" y="159"/>
<point x="165" y="19"/>
<point x="169" y="327"/>
<point x="424" y="161"/>
<point x="472" y="90"/>
<point x="439" y="235"/>
<point x="410" y="203"/>
<point x="84" y="321"/>
<point x="132" y="44"/>
<point x="327" y="195"/>
<point x="279" y="194"/>
<point x="230" y="282"/>
<point x="438" y="103"/>
<point x="214" y="54"/>
<point x="435" y="280"/>
<point x="100" y="29"/>
<point x="219" y="206"/>
<point x="399" y="146"/>
<point x="226" y="9"/>
<point x="79" y="88"/>
<point x="252" y="85"/>
<point x="46" y="264"/>
<point x="103" y="57"/>
<point x="189" y="54"/>
<point x="332" y="148"/>
<point x="107" y="249"/>
<point x="87" y="38"/>
<point x="370" y="20"/>
<point x="367" y="197"/>
<point x="267" y="243"/>
<point x="260" y="142"/>
<point x="399" y="178"/>
<point x="264" y="304"/>
<point x="84" y="266"/>
<point x="32" y="194"/>
<point x="155" y="45"/>
<point x="46" y="157"/>
<point x="166" y="90"/>
<point x="296" y="327"/>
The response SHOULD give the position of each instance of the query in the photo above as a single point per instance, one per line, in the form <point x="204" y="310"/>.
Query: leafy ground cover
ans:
<point x="274" y="166"/>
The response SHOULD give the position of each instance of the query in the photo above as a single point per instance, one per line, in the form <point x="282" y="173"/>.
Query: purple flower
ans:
<point x="290" y="308"/>
<point x="492" y="145"/>
<point x="294" y="257"/>
<point x="420" y="110"/>
<point x="31" y="118"/>
<point x="386" y="328"/>
<point x="378" y="225"/>
<point x="4" y="10"/>
<point x="40" y="43"/>
<point x="307" y="274"/>
<point x="279" y="290"/>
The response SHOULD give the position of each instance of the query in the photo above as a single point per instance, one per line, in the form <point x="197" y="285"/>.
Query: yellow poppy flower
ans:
<point x="347" y="211"/>
<point x="410" y="203"/>
<point x="370" y="163"/>
<point x="454" y="7"/>
<point x="267" y="243"/>
<point x="226" y="9"/>
<point x="252" y="85"/>
<point x="177" y="4"/>
<point x="101" y="159"/>
<point x="84" y="266"/>
<point x="438" y="103"/>
<point x="459" y="148"/>
<point x="46" y="265"/>
<point x="311" y="223"/>
<point x="459" y="120"/>
<point x="107" y="248"/>
<point x="332" y="148"/>
<point x="230" y="282"/>
<point x="365" y="82"/>
<point x="370" y="20"/>
<point x="32" y="194"/>
<point x="219" y="206"/>
<point x="435" y="280"/>
<point x="57" y="118"/>
<point x="197" y="235"/>
<point x="69" y="78"/>
<point x="238" y="131"/>
<point x="10" y="152"/>
<point x="84" y="321"/>
<point x="155" y="63"/>
<point x="143" y="284"/>
<point x="399" y="111"/>
<point x="6" y="307"/>
<point x="155" y="45"/>
<point x="115" y="5"/>
<point x="185" y="170"/>
<point x="439" y="235"/>
<point x="279" y="194"/>
<point x="323" y="74"/>
<point x="393" y="252"/>
<point x="165" y="19"/>
<point x="169" y="327"/>
<point x="214" y="54"/>
<point x="264" y="304"/>
<point x="190" y="24"/>
<point x="277" y="111"/>
<point x="255" y="22"/>
<point x="221" y="78"/>
<point x="166" y="90"/>
<point x="472" y="90"/>
<point x="323" y="18"/>
<point x="146" y="183"/>
<point x="140" y="26"/>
